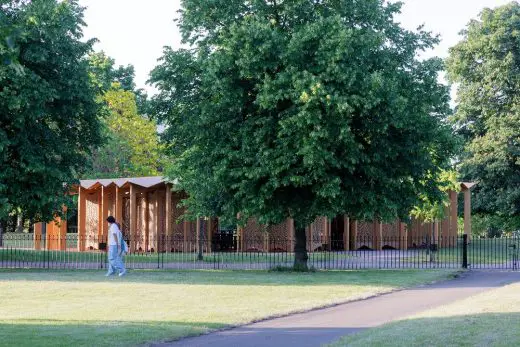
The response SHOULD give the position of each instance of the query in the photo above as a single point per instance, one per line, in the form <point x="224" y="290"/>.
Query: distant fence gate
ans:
<point x="226" y="251"/>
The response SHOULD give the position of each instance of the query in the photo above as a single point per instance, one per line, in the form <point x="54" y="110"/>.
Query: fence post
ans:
<point x="465" y="251"/>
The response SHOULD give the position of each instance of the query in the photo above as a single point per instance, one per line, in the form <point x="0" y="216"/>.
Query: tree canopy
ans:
<point x="485" y="65"/>
<point x="47" y="107"/>
<point x="132" y="145"/>
<point x="302" y="109"/>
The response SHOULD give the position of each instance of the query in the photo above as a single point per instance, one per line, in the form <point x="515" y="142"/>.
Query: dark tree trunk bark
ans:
<point x="300" y="249"/>
<point x="201" y="239"/>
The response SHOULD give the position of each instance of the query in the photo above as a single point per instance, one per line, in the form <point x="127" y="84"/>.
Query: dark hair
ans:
<point x="111" y="219"/>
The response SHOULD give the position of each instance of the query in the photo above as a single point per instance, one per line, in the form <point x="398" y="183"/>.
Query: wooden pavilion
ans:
<point x="148" y="211"/>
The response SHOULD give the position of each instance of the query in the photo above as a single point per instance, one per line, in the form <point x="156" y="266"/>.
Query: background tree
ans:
<point x="486" y="67"/>
<point x="302" y="109"/>
<point x="47" y="107"/>
<point x="104" y="73"/>
<point x="132" y="147"/>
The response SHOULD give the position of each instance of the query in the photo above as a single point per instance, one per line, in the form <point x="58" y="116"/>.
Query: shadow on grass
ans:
<point x="81" y="333"/>
<point x="486" y="329"/>
<point x="379" y="278"/>
<point x="489" y="329"/>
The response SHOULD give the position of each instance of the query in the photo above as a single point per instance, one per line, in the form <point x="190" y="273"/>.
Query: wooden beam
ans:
<point x="346" y="233"/>
<point x="403" y="239"/>
<point x="325" y="229"/>
<point x="38" y="236"/>
<point x="353" y="234"/>
<point x="168" y="219"/>
<point x="290" y="234"/>
<point x="149" y="216"/>
<point x="240" y="241"/>
<point x="378" y="236"/>
<point x="119" y="205"/>
<point x="197" y="232"/>
<point x="436" y="233"/>
<point x="104" y="215"/>
<point x="133" y="217"/>
<point x="82" y="219"/>
<point x="156" y="220"/>
<point x="445" y="227"/>
<point x="63" y="230"/>
<point x="210" y="233"/>
<point x="100" y="216"/>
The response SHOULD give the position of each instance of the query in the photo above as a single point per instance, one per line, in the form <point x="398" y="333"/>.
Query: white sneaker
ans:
<point x="122" y="273"/>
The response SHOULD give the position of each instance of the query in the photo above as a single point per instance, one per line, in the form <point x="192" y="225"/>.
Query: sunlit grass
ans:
<point x="488" y="319"/>
<point x="83" y="308"/>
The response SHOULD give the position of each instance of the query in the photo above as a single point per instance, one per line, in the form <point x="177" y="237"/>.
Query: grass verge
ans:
<point x="487" y="319"/>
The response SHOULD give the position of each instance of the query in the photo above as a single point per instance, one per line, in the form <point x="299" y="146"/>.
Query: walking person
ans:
<point x="116" y="249"/>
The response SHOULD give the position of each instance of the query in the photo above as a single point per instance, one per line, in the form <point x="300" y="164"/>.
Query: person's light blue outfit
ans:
<point x="115" y="259"/>
<point x="115" y="262"/>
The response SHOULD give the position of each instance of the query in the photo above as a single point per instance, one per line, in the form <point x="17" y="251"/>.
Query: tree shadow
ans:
<point x="390" y="278"/>
<point x="81" y="333"/>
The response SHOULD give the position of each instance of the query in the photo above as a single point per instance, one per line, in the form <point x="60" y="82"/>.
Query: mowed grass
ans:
<point x="83" y="308"/>
<point x="488" y="319"/>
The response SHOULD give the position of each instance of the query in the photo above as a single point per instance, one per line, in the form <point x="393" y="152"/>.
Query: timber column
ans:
<point x="168" y="219"/>
<point x="403" y="238"/>
<point x="82" y="219"/>
<point x="133" y="217"/>
<point x="353" y="234"/>
<point x="38" y="236"/>
<point x="445" y="228"/>
<point x="104" y="215"/>
<point x="290" y="234"/>
<point x="377" y="242"/>
<point x="346" y="233"/>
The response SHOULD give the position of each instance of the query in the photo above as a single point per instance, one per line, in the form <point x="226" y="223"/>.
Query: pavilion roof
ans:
<point x="145" y="182"/>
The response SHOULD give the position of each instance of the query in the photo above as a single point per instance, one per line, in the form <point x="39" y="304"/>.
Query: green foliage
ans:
<point x="132" y="147"/>
<point x="485" y="66"/>
<point x="103" y="73"/>
<point x="490" y="225"/>
<point x="47" y="108"/>
<point x="301" y="109"/>
<point x="430" y="209"/>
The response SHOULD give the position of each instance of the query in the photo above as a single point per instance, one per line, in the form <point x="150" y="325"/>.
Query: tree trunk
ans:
<point x="300" y="249"/>
<point x="200" y="239"/>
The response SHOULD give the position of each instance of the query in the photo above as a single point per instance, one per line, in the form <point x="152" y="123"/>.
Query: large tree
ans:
<point x="486" y="67"/>
<point x="48" y="115"/>
<point x="300" y="109"/>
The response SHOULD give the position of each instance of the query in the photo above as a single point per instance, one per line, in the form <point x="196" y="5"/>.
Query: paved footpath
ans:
<point x="327" y="325"/>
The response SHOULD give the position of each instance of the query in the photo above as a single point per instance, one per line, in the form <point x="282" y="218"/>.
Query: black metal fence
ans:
<point x="229" y="252"/>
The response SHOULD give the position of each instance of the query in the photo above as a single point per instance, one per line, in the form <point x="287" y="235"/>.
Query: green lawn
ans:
<point x="487" y="319"/>
<point x="83" y="308"/>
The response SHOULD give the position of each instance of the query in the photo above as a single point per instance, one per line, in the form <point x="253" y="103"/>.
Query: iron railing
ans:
<point x="230" y="252"/>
